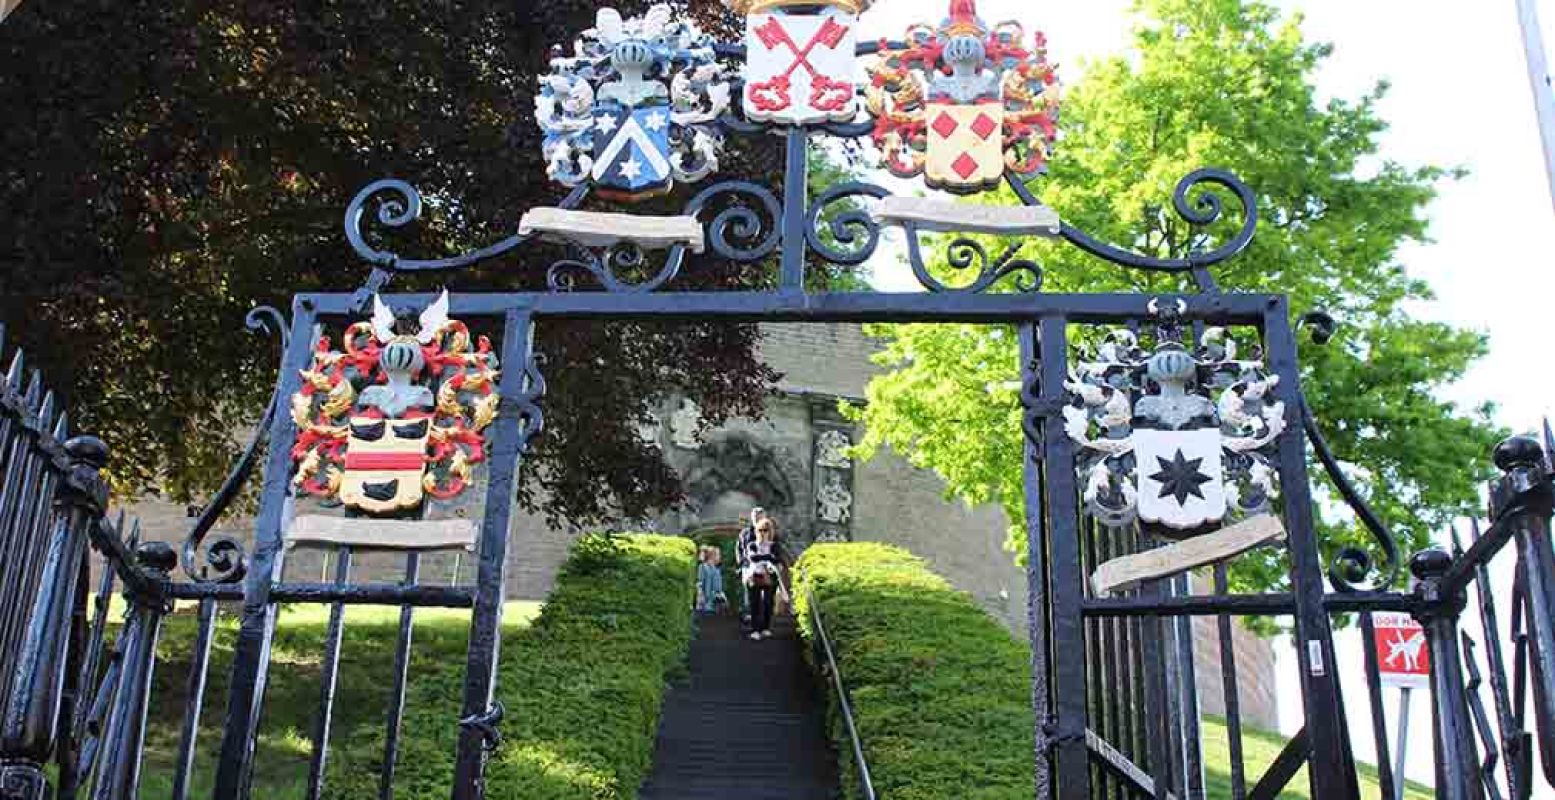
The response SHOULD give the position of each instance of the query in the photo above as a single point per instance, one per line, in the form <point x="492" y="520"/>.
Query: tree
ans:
<point x="171" y="165"/>
<point x="1225" y="83"/>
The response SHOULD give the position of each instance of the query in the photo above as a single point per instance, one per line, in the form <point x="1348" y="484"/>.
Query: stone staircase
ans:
<point x="748" y="723"/>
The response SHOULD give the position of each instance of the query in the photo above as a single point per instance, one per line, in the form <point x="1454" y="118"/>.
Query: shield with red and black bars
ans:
<point x="384" y="464"/>
<point x="966" y="146"/>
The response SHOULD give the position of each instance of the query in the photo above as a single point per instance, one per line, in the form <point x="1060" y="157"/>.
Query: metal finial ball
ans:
<point x="156" y="556"/>
<point x="87" y="449"/>
<point x="1518" y="451"/>
<point x="1432" y="563"/>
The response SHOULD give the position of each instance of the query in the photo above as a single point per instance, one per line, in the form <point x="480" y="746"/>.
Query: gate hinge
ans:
<point x="486" y="724"/>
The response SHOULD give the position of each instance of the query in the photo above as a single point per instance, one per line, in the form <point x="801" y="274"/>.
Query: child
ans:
<point x="710" y="579"/>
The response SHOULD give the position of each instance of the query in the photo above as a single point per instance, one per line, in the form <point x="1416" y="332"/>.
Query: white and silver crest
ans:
<point x="1157" y="448"/>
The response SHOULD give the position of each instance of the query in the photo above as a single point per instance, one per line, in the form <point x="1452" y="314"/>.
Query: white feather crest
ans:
<point x="433" y="319"/>
<point x="383" y="320"/>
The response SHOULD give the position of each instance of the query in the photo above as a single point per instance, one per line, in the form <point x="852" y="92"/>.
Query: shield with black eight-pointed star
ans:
<point x="1181" y="482"/>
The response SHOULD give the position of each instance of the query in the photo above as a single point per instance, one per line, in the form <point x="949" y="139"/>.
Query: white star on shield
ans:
<point x="656" y="121"/>
<point x="605" y="123"/>
<point x="631" y="168"/>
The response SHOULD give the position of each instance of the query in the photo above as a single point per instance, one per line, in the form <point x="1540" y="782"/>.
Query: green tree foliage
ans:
<point x="1225" y="83"/>
<point x="170" y="165"/>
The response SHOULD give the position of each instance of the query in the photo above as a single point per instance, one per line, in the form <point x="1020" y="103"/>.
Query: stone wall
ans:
<point x="773" y="462"/>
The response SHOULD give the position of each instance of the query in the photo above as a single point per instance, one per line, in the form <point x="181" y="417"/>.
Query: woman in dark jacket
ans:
<point x="763" y="571"/>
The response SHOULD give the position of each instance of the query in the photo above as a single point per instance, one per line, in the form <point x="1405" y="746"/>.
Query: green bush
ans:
<point x="582" y="685"/>
<point x="940" y="691"/>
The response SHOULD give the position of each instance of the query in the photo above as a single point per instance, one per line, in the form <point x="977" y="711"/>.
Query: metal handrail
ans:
<point x="866" y="784"/>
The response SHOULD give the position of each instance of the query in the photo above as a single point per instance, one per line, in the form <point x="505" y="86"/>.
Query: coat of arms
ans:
<point x="633" y="109"/>
<point x="799" y="63"/>
<point x="392" y="418"/>
<point x="963" y="102"/>
<point x="1158" y="448"/>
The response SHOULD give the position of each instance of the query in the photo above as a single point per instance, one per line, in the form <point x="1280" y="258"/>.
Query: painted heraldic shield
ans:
<point x="966" y="146"/>
<point x="632" y="148"/>
<point x="1181" y="484"/>
<point x="384" y="464"/>
<point x="799" y="67"/>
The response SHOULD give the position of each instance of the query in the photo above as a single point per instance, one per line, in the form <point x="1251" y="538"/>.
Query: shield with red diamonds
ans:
<point x="799" y="67"/>
<point x="385" y="462"/>
<point x="966" y="146"/>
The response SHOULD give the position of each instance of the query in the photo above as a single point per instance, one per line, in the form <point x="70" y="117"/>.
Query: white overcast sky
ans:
<point x="1460" y="97"/>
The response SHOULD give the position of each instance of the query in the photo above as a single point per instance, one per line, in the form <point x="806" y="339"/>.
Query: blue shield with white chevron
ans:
<point x="632" y="149"/>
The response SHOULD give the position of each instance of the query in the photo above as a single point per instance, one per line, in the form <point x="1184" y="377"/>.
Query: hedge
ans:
<point x="940" y="690"/>
<point x="582" y="686"/>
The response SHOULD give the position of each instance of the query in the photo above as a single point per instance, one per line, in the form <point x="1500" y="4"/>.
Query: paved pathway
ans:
<point x="749" y="723"/>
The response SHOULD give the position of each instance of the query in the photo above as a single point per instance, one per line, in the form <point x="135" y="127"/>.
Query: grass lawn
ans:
<point x="361" y="702"/>
<point x="366" y="663"/>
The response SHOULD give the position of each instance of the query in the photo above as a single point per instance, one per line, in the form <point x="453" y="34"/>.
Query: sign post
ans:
<point x="1402" y="661"/>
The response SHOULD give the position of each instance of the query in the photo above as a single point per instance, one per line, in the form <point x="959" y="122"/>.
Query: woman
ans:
<point x="764" y="561"/>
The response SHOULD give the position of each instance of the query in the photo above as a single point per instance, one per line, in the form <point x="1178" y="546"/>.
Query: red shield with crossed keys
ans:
<point x="799" y="67"/>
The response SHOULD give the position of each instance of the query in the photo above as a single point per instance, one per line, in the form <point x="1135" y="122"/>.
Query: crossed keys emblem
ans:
<point x="826" y="93"/>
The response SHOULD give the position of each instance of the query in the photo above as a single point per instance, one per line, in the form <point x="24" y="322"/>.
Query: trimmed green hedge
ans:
<point x="940" y="690"/>
<point x="582" y="686"/>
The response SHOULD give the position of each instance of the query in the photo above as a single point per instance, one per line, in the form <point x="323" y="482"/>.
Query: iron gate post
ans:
<point x="1456" y="756"/>
<point x="1067" y="732"/>
<point x="32" y="715"/>
<point x="518" y="421"/>
<point x="1332" y="771"/>
<point x="118" y="775"/>
<point x="1522" y="498"/>
<point x="1034" y="423"/>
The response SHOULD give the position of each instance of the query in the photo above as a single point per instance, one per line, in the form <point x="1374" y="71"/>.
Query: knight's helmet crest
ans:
<point x="965" y="101"/>
<point x="394" y="417"/>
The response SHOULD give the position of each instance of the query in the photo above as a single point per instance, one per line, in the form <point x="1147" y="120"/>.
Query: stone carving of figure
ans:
<point x="831" y="450"/>
<point x="683" y="425"/>
<point x="833" y="502"/>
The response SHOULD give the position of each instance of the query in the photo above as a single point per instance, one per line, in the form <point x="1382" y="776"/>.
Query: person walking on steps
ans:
<point x="763" y="572"/>
<point x="741" y="544"/>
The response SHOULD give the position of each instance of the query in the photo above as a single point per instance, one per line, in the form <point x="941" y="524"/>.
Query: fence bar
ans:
<point x="518" y="419"/>
<point x="1033" y="485"/>
<point x="32" y="713"/>
<point x="1233" y="698"/>
<point x="391" y="739"/>
<point x="331" y="680"/>
<point x="118" y="776"/>
<point x="1379" y="721"/>
<point x="1456" y="762"/>
<point x="199" y="670"/>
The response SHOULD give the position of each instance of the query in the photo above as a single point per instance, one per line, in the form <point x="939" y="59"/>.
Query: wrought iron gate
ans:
<point x="1107" y="382"/>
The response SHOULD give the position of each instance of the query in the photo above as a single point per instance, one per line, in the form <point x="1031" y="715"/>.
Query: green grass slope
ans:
<point x="582" y="682"/>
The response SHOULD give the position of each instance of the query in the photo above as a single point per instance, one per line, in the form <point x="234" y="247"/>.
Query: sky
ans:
<point x="1460" y="97"/>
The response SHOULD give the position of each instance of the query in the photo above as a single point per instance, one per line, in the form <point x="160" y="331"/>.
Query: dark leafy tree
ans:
<point x="170" y="165"/>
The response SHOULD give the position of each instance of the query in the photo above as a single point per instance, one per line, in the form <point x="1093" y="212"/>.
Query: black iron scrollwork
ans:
<point x="485" y="723"/>
<point x="224" y="558"/>
<point x="398" y="205"/>
<point x="607" y="265"/>
<point x="856" y="233"/>
<point x="1351" y="565"/>
<point x="1194" y="204"/>
<point x="969" y="255"/>
<point x="528" y="405"/>
<point x="739" y="232"/>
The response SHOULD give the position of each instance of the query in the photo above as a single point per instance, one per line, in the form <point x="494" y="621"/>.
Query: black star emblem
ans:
<point x="1180" y="477"/>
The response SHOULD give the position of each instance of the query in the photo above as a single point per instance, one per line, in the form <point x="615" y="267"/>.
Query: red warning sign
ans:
<point x="1402" y="657"/>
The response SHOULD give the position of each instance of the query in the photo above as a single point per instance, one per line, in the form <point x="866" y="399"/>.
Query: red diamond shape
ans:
<point x="945" y="125"/>
<point x="984" y="126"/>
<point x="964" y="166"/>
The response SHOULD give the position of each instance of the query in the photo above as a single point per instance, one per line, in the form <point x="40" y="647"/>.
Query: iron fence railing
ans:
<point x="823" y="645"/>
